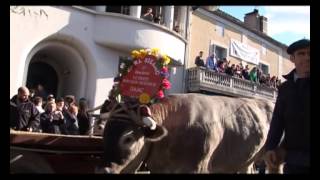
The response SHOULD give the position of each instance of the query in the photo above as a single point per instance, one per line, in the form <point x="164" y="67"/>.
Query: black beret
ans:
<point x="303" y="43"/>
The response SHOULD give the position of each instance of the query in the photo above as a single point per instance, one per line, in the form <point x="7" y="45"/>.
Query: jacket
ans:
<point x="291" y="116"/>
<point x="23" y="115"/>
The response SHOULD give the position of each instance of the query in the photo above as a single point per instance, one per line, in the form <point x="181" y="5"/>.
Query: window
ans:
<point x="118" y="9"/>
<point x="220" y="52"/>
<point x="244" y="38"/>
<point x="220" y="30"/>
<point x="263" y="49"/>
<point x="264" y="68"/>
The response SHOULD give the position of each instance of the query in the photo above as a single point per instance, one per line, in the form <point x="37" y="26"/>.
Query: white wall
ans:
<point x="79" y="31"/>
<point x="128" y="33"/>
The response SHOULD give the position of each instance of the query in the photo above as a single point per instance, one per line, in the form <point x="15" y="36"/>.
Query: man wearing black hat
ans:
<point x="291" y="116"/>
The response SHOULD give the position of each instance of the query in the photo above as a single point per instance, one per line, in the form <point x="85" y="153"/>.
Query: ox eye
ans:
<point x="128" y="140"/>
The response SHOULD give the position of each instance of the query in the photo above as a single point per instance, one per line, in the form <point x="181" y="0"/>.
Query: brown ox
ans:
<point x="205" y="134"/>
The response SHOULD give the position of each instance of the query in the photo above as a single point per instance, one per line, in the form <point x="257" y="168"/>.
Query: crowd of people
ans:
<point x="30" y="111"/>
<point x="224" y="66"/>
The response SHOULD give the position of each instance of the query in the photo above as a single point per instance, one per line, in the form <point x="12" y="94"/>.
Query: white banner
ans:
<point x="245" y="52"/>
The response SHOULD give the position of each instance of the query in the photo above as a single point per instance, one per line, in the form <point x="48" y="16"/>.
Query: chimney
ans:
<point x="254" y="21"/>
<point x="263" y="24"/>
<point x="210" y="8"/>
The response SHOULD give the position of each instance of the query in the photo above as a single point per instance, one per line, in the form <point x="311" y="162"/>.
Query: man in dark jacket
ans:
<point x="23" y="113"/>
<point x="199" y="61"/>
<point x="291" y="115"/>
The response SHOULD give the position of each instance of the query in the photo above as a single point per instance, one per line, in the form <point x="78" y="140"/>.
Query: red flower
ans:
<point x="166" y="84"/>
<point x="164" y="70"/>
<point x="160" y="94"/>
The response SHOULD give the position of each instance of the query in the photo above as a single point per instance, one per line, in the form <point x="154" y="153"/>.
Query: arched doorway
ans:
<point x="44" y="74"/>
<point x="59" y="68"/>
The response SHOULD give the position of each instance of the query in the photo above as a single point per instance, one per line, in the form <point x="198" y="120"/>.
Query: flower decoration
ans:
<point x="144" y="98"/>
<point x="166" y="84"/>
<point x="161" y="64"/>
<point x="160" y="94"/>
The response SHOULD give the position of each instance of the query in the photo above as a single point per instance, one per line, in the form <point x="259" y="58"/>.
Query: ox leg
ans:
<point x="248" y="169"/>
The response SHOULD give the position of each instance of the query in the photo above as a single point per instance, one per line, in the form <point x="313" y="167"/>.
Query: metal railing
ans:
<point x="199" y="78"/>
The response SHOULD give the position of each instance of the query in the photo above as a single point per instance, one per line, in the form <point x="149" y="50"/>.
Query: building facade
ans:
<point x="216" y="31"/>
<point x="76" y="49"/>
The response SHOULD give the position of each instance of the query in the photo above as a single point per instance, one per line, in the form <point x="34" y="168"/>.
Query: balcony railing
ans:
<point x="202" y="79"/>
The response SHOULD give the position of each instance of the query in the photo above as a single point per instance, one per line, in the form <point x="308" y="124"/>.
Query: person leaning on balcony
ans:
<point x="199" y="61"/>
<point x="211" y="62"/>
<point x="292" y="114"/>
<point x="148" y="15"/>
<point x="253" y="75"/>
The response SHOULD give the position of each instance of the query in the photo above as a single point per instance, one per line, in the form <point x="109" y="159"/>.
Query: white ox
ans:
<point x="196" y="134"/>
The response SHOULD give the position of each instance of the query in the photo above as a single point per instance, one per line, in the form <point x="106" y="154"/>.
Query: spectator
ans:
<point x="241" y="66"/>
<point x="221" y="66"/>
<point x="51" y="119"/>
<point x="211" y="62"/>
<point x="24" y="115"/>
<point x="72" y="121"/>
<point x="199" y="61"/>
<point x="273" y="82"/>
<point x="278" y="82"/>
<point x="231" y="70"/>
<point x="69" y="100"/>
<point x="40" y="91"/>
<point x="238" y="72"/>
<point x="253" y="75"/>
<point x="268" y="79"/>
<point x="263" y="79"/>
<point x="157" y="19"/>
<point x="60" y="104"/>
<point x="32" y="95"/>
<point x="62" y="108"/>
<point x="259" y="74"/>
<point x="177" y="28"/>
<point x="38" y="103"/>
<point x="148" y="15"/>
<point x="84" y="117"/>
<point x="50" y="97"/>
<point x="245" y="73"/>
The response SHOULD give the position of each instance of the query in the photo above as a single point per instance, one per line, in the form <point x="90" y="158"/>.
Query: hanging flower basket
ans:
<point x="144" y="76"/>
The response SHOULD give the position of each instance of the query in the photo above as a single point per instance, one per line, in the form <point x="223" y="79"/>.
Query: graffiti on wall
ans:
<point x="21" y="10"/>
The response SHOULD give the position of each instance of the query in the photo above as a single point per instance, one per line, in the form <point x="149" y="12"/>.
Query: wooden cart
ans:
<point x="32" y="152"/>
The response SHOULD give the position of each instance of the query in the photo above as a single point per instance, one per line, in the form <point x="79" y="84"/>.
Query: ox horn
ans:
<point x="94" y="109"/>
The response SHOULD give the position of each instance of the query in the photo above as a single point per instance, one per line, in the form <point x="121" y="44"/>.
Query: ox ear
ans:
<point x="155" y="135"/>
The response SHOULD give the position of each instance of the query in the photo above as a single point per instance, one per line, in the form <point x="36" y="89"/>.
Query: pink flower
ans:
<point x="160" y="94"/>
<point x="166" y="84"/>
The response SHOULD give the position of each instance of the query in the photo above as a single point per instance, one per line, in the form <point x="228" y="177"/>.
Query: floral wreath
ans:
<point x="162" y="62"/>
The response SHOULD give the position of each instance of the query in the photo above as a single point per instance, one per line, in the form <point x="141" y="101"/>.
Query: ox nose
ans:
<point x="104" y="170"/>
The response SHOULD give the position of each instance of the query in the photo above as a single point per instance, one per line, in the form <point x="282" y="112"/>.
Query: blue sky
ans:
<point x="285" y="23"/>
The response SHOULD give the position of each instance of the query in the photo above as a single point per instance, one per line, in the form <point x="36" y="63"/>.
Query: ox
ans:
<point x="195" y="134"/>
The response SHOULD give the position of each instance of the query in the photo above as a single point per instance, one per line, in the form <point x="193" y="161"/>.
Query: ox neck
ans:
<point x="160" y="112"/>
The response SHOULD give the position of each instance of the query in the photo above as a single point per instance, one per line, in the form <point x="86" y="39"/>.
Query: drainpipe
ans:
<point x="186" y="54"/>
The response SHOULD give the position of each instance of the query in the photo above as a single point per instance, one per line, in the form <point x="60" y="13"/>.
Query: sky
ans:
<point x="286" y="24"/>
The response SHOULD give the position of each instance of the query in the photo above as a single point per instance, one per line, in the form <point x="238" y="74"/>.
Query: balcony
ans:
<point x="126" y="33"/>
<point x="200" y="79"/>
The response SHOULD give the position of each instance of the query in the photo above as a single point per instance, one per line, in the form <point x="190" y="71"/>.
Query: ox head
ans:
<point x="125" y="137"/>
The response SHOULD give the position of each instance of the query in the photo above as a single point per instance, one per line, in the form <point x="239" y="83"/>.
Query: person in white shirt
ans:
<point x="38" y="103"/>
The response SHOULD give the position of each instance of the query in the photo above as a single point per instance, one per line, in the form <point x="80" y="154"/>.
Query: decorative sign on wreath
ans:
<point x="145" y="76"/>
